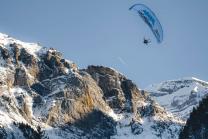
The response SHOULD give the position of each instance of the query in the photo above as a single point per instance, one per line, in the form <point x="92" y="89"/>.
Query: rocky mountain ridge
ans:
<point x="41" y="91"/>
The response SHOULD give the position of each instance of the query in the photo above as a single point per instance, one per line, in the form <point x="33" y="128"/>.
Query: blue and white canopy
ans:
<point x="150" y="19"/>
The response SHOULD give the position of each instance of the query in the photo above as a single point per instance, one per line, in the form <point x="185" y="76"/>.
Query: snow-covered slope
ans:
<point x="179" y="96"/>
<point x="31" y="48"/>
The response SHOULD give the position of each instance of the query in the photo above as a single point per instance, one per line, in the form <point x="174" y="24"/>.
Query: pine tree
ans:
<point x="197" y="124"/>
<point x="41" y="133"/>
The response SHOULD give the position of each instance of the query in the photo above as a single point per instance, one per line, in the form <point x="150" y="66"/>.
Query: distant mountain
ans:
<point x="43" y="95"/>
<point x="179" y="96"/>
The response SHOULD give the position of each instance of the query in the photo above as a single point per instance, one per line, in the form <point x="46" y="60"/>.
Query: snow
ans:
<point x="195" y="79"/>
<point x="31" y="48"/>
<point x="147" y="130"/>
<point x="124" y="121"/>
<point x="7" y="121"/>
<point x="66" y="70"/>
<point x="115" y="116"/>
<point x="57" y="90"/>
<point x="123" y="127"/>
<point x="57" y="133"/>
<point x="43" y="111"/>
<point x="187" y="93"/>
<point x="16" y="92"/>
<point x="9" y="114"/>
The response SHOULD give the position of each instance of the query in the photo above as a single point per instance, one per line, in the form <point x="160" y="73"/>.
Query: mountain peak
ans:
<point x="32" y="48"/>
<point x="40" y="89"/>
<point x="195" y="79"/>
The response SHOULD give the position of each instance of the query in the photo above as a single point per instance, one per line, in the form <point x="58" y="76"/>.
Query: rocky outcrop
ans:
<point x="77" y="98"/>
<point x="119" y="92"/>
<point x="20" y="77"/>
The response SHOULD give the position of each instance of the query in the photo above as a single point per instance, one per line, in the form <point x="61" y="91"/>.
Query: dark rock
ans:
<point x="97" y="124"/>
<point x="44" y="72"/>
<point x="26" y="58"/>
<point x="40" y="89"/>
<point x="38" y="100"/>
<point x="3" y="133"/>
<point x="16" y="52"/>
<point x="21" y="78"/>
<point x="52" y="59"/>
<point x="4" y="53"/>
<point x="136" y="128"/>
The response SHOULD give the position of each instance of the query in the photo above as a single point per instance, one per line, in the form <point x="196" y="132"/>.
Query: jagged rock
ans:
<point x="16" y="52"/>
<point x="52" y="59"/>
<point x="119" y="92"/>
<point x="26" y="58"/>
<point x="4" y="53"/>
<point x="73" y="97"/>
<point x="132" y="94"/>
<point x="136" y="128"/>
<point x="40" y="89"/>
<point x="21" y="78"/>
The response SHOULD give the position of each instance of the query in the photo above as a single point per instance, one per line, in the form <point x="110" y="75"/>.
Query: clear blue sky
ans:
<point x="107" y="33"/>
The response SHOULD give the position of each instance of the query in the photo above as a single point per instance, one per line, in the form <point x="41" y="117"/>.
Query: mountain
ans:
<point x="43" y="95"/>
<point x="179" y="96"/>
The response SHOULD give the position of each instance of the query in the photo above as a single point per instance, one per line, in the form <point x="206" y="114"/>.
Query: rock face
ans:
<point x="40" y="89"/>
<point x="120" y="93"/>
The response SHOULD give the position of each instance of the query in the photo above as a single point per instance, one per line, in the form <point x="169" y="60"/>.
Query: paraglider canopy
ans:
<point x="150" y="19"/>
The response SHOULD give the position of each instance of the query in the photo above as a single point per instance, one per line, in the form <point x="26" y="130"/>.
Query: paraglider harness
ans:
<point x="146" y="41"/>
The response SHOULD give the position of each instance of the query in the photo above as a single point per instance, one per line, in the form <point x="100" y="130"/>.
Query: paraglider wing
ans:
<point x="150" y="19"/>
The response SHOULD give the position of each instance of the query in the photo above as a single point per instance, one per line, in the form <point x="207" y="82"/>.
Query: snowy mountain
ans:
<point x="46" y="96"/>
<point x="179" y="96"/>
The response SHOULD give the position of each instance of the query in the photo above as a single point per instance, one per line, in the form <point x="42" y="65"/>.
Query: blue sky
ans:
<point x="107" y="33"/>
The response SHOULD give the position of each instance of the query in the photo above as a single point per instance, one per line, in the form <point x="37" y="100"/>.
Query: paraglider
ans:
<point x="150" y="19"/>
<point x="146" y="41"/>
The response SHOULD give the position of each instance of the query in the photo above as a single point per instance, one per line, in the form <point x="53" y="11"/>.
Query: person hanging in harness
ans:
<point x="146" y="41"/>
